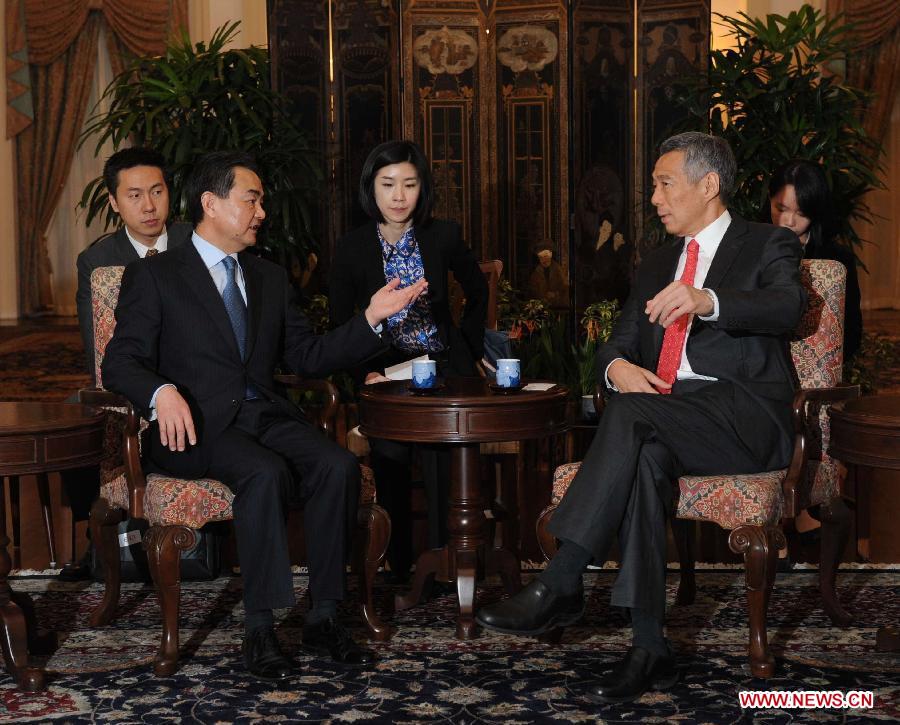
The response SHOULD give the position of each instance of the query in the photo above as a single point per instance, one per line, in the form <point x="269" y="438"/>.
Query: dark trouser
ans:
<point x="268" y="460"/>
<point x="391" y="464"/>
<point x="81" y="486"/>
<point x="626" y="484"/>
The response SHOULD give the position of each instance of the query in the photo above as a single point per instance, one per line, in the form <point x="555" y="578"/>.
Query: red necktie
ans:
<point x="673" y="340"/>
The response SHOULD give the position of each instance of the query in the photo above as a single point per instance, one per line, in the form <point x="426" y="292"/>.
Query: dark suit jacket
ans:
<point x="110" y="250"/>
<point x="357" y="272"/>
<point x="172" y="327"/>
<point x="755" y="274"/>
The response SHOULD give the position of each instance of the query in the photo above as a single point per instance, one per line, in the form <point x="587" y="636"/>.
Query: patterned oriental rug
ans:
<point x="425" y="675"/>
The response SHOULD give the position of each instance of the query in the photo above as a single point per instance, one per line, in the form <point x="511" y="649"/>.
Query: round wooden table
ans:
<point x="464" y="414"/>
<point x="865" y="433"/>
<point x="37" y="438"/>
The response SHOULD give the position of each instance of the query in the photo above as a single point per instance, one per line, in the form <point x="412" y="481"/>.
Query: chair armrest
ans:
<point x="102" y="398"/>
<point x="327" y="415"/>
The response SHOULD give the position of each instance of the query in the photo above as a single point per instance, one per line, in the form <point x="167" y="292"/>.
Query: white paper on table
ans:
<point x="539" y="386"/>
<point x="402" y="371"/>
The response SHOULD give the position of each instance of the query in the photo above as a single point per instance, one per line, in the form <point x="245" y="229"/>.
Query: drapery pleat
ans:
<point x="875" y="64"/>
<point x="43" y="155"/>
<point x="59" y="41"/>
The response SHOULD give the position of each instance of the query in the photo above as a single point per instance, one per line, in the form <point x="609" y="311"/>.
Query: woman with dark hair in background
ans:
<point x="799" y="199"/>
<point x="403" y="240"/>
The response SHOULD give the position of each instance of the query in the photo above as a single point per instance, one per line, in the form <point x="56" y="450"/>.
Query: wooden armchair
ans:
<point x="756" y="508"/>
<point x="176" y="508"/>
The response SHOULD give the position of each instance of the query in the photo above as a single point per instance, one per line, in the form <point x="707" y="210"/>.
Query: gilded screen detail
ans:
<point x="527" y="47"/>
<point x="445" y="51"/>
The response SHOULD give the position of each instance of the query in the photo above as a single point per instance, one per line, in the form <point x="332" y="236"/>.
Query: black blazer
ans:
<point x="110" y="250"/>
<point x="357" y="272"/>
<point x="172" y="327"/>
<point x="755" y="275"/>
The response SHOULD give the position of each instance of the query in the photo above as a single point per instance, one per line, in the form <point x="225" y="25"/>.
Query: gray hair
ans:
<point x="704" y="154"/>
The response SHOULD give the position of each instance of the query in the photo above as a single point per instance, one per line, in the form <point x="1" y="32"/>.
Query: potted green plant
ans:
<point x="200" y="98"/>
<point x="776" y="97"/>
<point x="597" y="324"/>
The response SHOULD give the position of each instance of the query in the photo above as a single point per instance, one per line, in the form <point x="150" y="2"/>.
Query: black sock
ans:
<point x="563" y="573"/>
<point x="647" y="632"/>
<point x="257" y="619"/>
<point x="322" y="610"/>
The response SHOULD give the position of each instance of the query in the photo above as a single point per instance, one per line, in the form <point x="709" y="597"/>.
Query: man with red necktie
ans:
<point x="702" y="384"/>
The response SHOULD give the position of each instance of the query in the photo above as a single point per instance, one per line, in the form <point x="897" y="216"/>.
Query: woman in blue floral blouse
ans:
<point x="403" y="240"/>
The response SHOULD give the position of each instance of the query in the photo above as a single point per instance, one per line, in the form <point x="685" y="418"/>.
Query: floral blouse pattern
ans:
<point x="411" y="329"/>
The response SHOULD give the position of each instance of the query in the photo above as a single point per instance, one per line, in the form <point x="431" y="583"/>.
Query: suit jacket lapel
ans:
<point x="124" y="246"/>
<point x="431" y="263"/>
<point x="727" y="252"/>
<point x="254" y="284"/>
<point x="200" y="283"/>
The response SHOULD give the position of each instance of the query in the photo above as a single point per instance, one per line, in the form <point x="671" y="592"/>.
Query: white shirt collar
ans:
<point x="209" y="252"/>
<point x="162" y="243"/>
<point x="709" y="237"/>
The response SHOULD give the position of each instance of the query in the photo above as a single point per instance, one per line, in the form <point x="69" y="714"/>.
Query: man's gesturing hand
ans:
<point x="388" y="300"/>
<point x="631" y="378"/>
<point x="677" y="299"/>
<point x="174" y="417"/>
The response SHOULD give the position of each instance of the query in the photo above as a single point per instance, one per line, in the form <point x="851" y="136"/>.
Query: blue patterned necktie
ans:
<point x="234" y="305"/>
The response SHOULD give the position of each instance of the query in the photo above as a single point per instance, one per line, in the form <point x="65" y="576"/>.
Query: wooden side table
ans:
<point x="37" y="438"/>
<point x="865" y="434"/>
<point x="464" y="414"/>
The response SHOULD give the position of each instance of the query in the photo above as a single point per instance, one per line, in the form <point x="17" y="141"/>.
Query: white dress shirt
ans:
<point x="161" y="245"/>
<point x="709" y="239"/>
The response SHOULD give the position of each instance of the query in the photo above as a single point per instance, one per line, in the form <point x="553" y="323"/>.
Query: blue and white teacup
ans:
<point x="424" y="373"/>
<point x="508" y="373"/>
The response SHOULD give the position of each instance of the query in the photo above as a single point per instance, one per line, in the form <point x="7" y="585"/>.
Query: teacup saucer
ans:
<point x="425" y="391"/>
<point x="504" y="390"/>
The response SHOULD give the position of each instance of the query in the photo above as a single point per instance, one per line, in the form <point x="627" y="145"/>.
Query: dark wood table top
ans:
<point x="866" y="431"/>
<point x="42" y="437"/>
<point x="465" y="410"/>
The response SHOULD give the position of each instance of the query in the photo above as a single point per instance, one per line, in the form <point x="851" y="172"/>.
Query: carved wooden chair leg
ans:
<point x="683" y="531"/>
<point x="759" y="545"/>
<point x="103" y="522"/>
<point x="164" y="545"/>
<point x="373" y="535"/>
<point x="835" y="518"/>
<point x="546" y="540"/>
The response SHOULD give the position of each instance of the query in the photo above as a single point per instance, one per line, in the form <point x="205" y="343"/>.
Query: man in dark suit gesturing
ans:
<point x="135" y="180"/>
<point x="199" y="332"/>
<point x="703" y="383"/>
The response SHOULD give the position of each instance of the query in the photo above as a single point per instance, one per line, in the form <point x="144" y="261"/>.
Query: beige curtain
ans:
<point x="875" y="65"/>
<point x="60" y="40"/>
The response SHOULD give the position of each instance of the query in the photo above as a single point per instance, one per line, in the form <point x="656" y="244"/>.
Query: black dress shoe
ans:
<point x="533" y="611"/>
<point x="638" y="672"/>
<point x="263" y="656"/>
<point x="330" y="638"/>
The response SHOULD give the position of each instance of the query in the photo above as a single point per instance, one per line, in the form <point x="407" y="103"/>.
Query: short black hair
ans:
<point x="128" y="159"/>
<point x="813" y="197"/>
<point x="397" y="152"/>
<point x="215" y="172"/>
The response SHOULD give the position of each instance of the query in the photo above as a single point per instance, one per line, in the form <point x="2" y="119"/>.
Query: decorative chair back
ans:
<point x="817" y="348"/>
<point x="105" y="284"/>
<point x="492" y="269"/>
